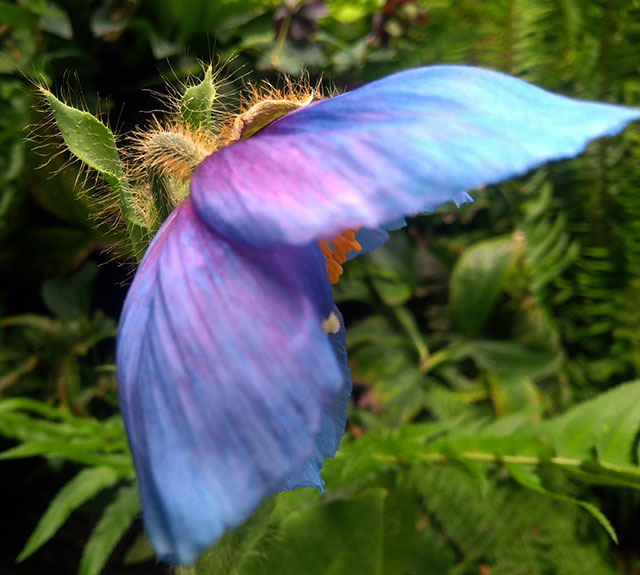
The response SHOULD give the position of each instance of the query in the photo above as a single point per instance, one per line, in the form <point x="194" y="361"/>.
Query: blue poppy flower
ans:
<point x="231" y="357"/>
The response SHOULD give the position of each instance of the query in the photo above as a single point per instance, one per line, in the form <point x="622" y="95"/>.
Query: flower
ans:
<point x="231" y="356"/>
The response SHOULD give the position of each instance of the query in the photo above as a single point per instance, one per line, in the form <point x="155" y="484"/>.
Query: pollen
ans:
<point x="335" y="252"/>
<point x="331" y="324"/>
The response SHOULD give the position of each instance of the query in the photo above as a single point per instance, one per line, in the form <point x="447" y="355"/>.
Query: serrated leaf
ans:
<point x="399" y="527"/>
<point x="83" y="487"/>
<point x="433" y="555"/>
<point x="598" y="516"/>
<point x="617" y="437"/>
<point x="344" y="546"/>
<point x="114" y="523"/>
<point x="536" y="532"/>
<point x="236" y="547"/>
<point x="528" y="477"/>
<point x="376" y="453"/>
<point x="89" y="140"/>
<point x="607" y="424"/>
<point x="196" y="103"/>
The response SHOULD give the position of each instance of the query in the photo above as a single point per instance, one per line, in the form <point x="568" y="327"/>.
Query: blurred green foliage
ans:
<point x="491" y="430"/>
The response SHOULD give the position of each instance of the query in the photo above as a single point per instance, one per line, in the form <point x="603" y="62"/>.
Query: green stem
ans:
<point x="404" y="318"/>
<point x="434" y="360"/>
<point x="526" y="460"/>
<point x="280" y="40"/>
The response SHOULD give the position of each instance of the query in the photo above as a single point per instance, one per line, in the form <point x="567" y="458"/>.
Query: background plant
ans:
<point x="492" y="428"/>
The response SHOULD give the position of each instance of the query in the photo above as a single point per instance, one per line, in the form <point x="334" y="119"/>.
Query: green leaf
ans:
<point x="345" y="544"/>
<point x="33" y="405"/>
<point x="399" y="527"/>
<point x="70" y="298"/>
<point x="84" y="451"/>
<point x="408" y="323"/>
<point x="83" y="487"/>
<point x="607" y="424"/>
<point x="115" y="522"/>
<point x="16" y="16"/>
<point x="392" y="290"/>
<point x="511" y="529"/>
<point x="511" y="395"/>
<point x="57" y="22"/>
<point x="196" y="103"/>
<point x="139" y="551"/>
<point x="509" y="359"/>
<point x="528" y="477"/>
<point x="94" y="144"/>
<point x="476" y="282"/>
<point x="376" y="453"/>
<point x="89" y="140"/>
<point x="433" y="555"/>
<point x="235" y="547"/>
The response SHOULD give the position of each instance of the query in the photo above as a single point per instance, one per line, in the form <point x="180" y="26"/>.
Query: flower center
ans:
<point x="335" y="252"/>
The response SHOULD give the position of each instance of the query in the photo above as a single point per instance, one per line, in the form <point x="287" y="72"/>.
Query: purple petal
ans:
<point x="334" y="417"/>
<point x="224" y="374"/>
<point x="401" y="145"/>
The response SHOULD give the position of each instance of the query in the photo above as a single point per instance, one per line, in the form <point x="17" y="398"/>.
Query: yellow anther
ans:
<point x="334" y="270"/>
<point x="325" y="249"/>
<point x="339" y="254"/>
<point x="335" y="252"/>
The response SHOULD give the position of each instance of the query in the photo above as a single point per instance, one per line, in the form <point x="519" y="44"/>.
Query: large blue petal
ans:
<point x="369" y="239"/>
<point x="372" y="238"/>
<point x="334" y="417"/>
<point x="404" y="144"/>
<point x="224" y="374"/>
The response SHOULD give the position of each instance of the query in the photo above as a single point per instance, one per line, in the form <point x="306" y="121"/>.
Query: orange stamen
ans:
<point x="335" y="252"/>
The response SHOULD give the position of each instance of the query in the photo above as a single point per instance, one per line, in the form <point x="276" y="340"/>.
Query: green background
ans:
<point x="494" y="424"/>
